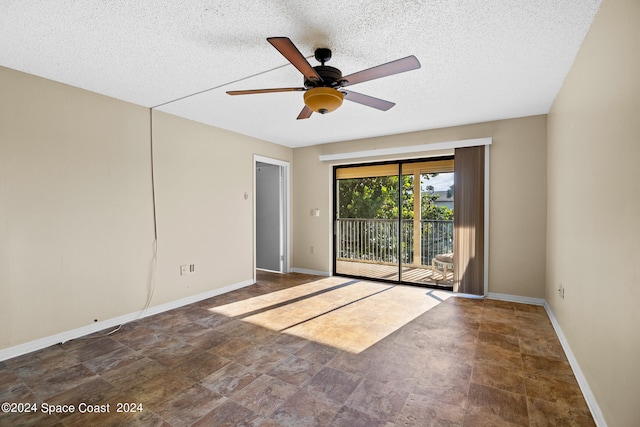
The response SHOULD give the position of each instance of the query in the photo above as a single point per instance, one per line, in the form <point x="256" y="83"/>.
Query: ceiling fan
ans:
<point x="324" y="85"/>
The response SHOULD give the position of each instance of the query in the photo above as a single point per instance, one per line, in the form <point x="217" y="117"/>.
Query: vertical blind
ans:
<point x="468" y="243"/>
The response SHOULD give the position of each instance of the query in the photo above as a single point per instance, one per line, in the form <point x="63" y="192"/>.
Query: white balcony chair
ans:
<point x="443" y="264"/>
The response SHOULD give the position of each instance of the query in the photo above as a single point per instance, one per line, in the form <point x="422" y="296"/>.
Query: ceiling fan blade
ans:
<point x="394" y="67"/>
<point x="305" y="113"/>
<point x="367" y="100"/>
<point x="291" y="52"/>
<point x="252" y="91"/>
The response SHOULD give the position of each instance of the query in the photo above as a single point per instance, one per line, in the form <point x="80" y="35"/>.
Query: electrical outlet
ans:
<point x="192" y="268"/>
<point x="561" y="291"/>
<point x="312" y="250"/>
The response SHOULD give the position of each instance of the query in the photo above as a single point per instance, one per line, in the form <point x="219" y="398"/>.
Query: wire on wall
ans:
<point x="154" y="258"/>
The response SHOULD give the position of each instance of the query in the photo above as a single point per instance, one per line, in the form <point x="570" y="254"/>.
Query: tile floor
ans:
<point x="298" y="350"/>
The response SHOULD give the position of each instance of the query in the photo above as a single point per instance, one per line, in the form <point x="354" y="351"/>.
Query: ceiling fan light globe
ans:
<point x="323" y="99"/>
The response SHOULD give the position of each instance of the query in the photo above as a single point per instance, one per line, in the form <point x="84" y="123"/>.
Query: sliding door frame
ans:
<point x="399" y="164"/>
<point x="414" y="151"/>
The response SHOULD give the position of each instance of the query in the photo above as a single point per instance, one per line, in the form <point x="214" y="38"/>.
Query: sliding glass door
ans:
<point x="366" y="226"/>
<point x="394" y="221"/>
<point x="427" y="225"/>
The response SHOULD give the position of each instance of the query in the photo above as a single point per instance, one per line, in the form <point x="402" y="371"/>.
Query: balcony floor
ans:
<point x="410" y="274"/>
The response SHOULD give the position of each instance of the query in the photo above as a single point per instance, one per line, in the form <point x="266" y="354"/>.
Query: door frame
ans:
<point x="285" y="209"/>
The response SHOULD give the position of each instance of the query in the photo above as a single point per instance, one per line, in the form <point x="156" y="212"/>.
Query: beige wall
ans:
<point x="202" y="174"/>
<point x="593" y="218"/>
<point x="517" y="199"/>
<point x="74" y="187"/>
<point x="76" y="211"/>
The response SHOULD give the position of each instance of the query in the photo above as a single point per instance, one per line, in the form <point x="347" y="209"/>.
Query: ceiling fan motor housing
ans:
<point x="331" y="77"/>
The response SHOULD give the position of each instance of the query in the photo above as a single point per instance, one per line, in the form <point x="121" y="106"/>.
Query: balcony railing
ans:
<point x="379" y="240"/>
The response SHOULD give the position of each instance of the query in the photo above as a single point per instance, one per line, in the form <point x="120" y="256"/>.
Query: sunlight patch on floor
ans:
<point x="249" y="305"/>
<point x="347" y="314"/>
<point x="357" y="326"/>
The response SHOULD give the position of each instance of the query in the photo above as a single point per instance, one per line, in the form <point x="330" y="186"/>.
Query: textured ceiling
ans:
<point x="481" y="59"/>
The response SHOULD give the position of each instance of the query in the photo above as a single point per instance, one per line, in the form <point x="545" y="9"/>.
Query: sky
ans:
<point x="441" y="182"/>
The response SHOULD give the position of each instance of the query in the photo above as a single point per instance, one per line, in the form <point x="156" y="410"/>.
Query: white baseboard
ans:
<point x="582" y="381"/>
<point x="28" y="347"/>
<point x="315" y="272"/>
<point x="39" y="344"/>
<point x="269" y="271"/>
<point x="196" y="298"/>
<point x="516" y="298"/>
